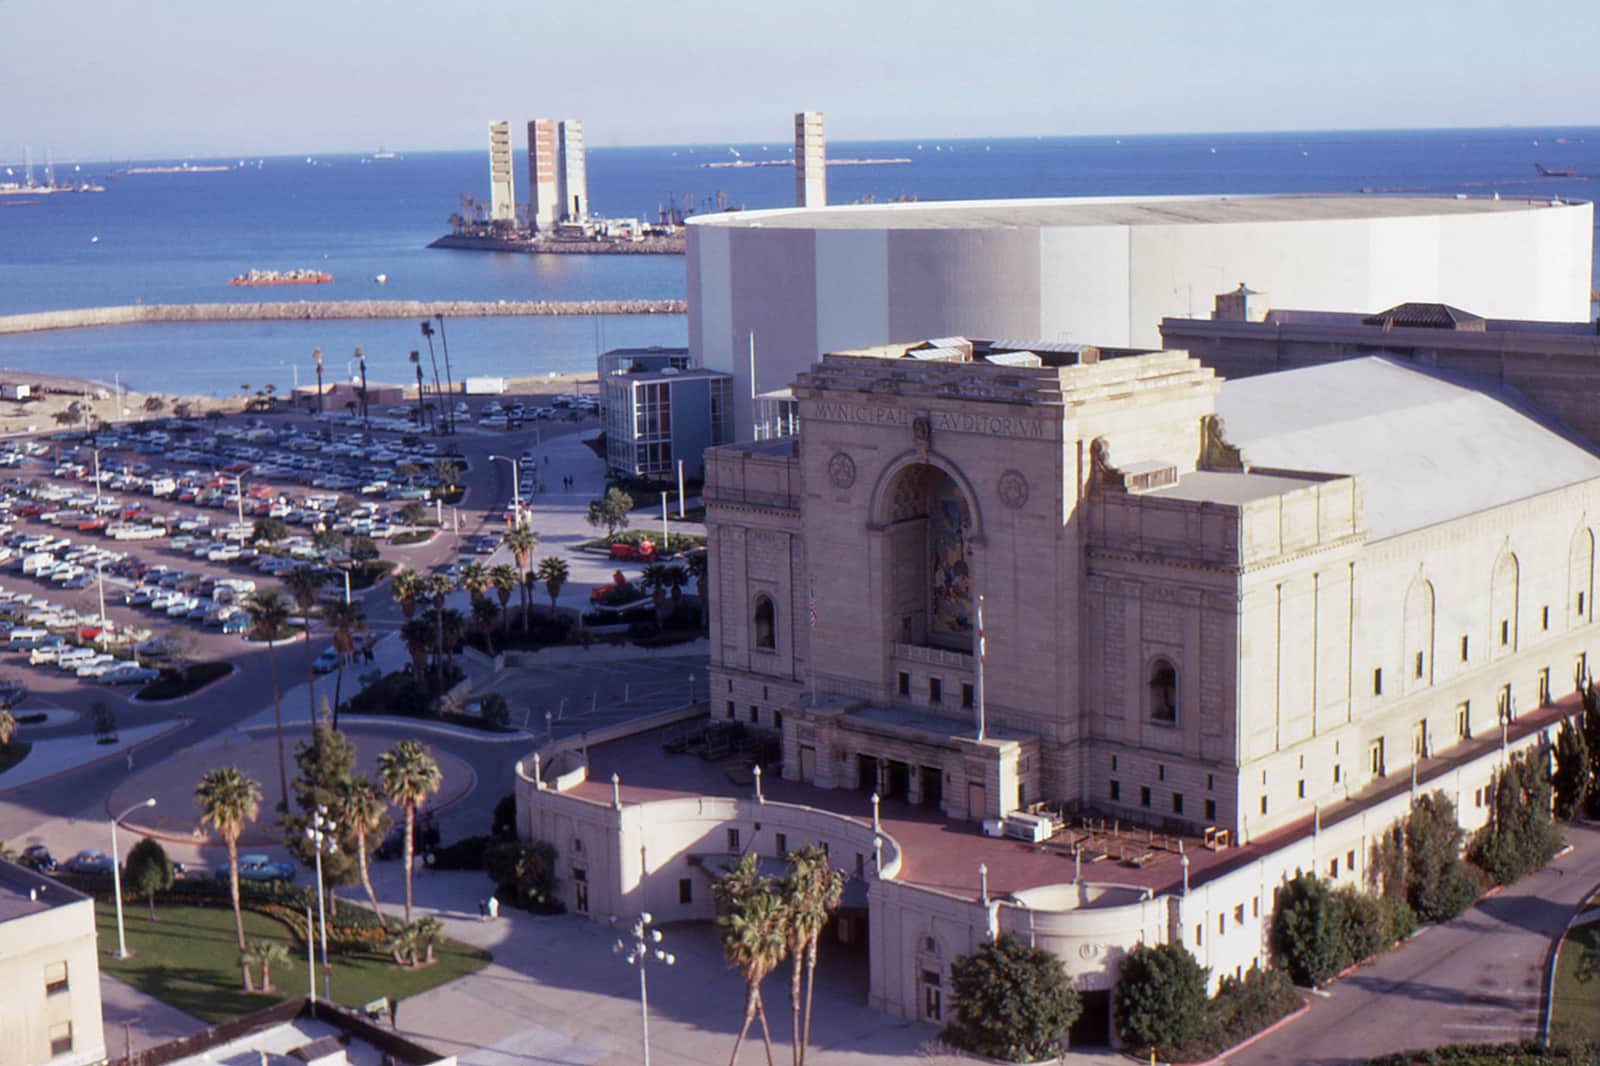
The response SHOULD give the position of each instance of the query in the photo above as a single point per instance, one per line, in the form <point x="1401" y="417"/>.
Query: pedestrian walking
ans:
<point x="130" y="760"/>
<point x="494" y="908"/>
<point x="483" y="909"/>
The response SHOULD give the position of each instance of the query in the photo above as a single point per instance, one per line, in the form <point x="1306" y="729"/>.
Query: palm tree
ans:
<point x="812" y="890"/>
<point x="656" y="580"/>
<point x="405" y="586"/>
<point x="345" y="620"/>
<point x="486" y="614"/>
<point x="446" y="414"/>
<point x="453" y="628"/>
<point x="229" y="800"/>
<point x="445" y="474"/>
<point x="522" y="542"/>
<point x="304" y="584"/>
<point x="553" y="571"/>
<point x="475" y="579"/>
<point x="408" y="776"/>
<point x="528" y="580"/>
<point x="438" y="586"/>
<point x="418" y="636"/>
<point x="503" y="576"/>
<point x="268" y="615"/>
<point x="361" y="811"/>
<point x="8" y="729"/>
<point x="751" y="917"/>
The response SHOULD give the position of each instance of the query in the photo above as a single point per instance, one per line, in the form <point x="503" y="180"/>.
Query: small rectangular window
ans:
<point x="733" y="840"/>
<point x="1465" y="645"/>
<point x="935" y="690"/>
<point x="1199" y="934"/>
<point x="1161" y="771"/>
<point x="1350" y="859"/>
<point x="903" y="681"/>
<point x="685" y="890"/>
<point x="1116" y="790"/>
<point x="781" y="844"/>
<point x="777" y="720"/>
<point x="1238" y="914"/>
<point x="1544" y="617"/>
<point x="1211" y="782"/>
<point x="1417" y="666"/>
<point x="55" y="978"/>
<point x="60" y="1038"/>
<point x="1463" y="720"/>
<point x="1544" y="687"/>
<point x="1300" y="787"/>
<point x="755" y="713"/>
<point x="1211" y="810"/>
<point x="730" y="710"/>
<point x="1255" y="906"/>
<point x="1377" y="681"/>
<point x="1333" y="866"/>
<point x="1580" y="605"/>
<point x="969" y="697"/>
<point x="1505" y="632"/>
<point x="1222" y="924"/>
<point x="1263" y="805"/>
<point x="1113" y="764"/>
<point x="861" y="865"/>
<point x="1144" y="795"/>
<point x="1336" y="773"/>
<point x="1177" y="803"/>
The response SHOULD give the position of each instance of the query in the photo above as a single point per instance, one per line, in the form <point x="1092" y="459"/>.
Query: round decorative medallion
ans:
<point x="841" y="470"/>
<point x="1088" y="951"/>
<point x="1013" y="489"/>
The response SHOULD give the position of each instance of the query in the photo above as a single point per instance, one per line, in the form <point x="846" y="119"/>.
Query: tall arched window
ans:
<point x="766" y="623"/>
<point x="1163" y="692"/>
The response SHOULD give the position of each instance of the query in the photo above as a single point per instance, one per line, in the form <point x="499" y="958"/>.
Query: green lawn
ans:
<point x="190" y="959"/>
<point x="1575" y="1006"/>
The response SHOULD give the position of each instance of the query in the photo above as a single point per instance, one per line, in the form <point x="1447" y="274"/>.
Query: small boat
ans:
<point x="1556" y="172"/>
<point x="381" y="279"/>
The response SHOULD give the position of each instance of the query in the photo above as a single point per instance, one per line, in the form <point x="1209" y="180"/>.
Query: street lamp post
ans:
<point x="361" y="360"/>
<point x="645" y="947"/>
<point x="516" y="491"/>
<point x="416" y="362"/>
<point x="316" y="357"/>
<point x="97" y="481"/>
<point x="320" y="834"/>
<point x="238" y="495"/>
<point x="116" y="873"/>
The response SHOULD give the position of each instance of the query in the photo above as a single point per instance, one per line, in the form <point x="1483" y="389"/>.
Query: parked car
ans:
<point x="90" y="861"/>
<point x="38" y="857"/>
<point x="260" y="868"/>
<point x="327" y="661"/>
<point x="129" y="674"/>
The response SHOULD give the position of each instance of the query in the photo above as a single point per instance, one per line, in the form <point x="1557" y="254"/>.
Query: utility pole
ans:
<point x="316" y="357"/>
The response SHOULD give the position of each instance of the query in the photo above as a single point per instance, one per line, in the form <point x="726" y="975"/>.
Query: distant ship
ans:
<point x="282" y="277"/>
<point x="382" y="153"/>
<point x="1556" y="172"/>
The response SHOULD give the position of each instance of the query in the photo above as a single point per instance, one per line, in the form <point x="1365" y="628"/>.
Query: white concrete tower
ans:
<point x="544" y="205"/>
<point x="572" y="182"/>
<point x="810" y="164"/>
<point x="502" y="187"/>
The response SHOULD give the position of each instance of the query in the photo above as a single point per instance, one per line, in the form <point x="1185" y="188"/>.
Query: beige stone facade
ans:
<point x="50" y="1012"/>
<point x="1174" y="637"/>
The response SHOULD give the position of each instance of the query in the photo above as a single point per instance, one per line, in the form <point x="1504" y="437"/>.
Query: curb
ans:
<point x="120" y="753"/>
<point x="443" y="729"/>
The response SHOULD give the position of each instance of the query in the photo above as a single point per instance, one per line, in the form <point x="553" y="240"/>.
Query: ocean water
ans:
<point x="178" y="238"/>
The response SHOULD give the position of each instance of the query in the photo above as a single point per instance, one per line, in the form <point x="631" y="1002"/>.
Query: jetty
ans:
<point x="293" y="311"/>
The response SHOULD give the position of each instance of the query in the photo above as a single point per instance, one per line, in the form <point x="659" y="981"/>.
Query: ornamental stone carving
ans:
<point x="841" y="470"/>
<point x="1013" y="489"/>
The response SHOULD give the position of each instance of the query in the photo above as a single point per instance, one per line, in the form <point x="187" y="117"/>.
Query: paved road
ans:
<point x="1477" y="979"/>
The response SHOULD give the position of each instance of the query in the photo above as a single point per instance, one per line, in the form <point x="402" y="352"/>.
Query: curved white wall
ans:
<point x="805" y="289"/>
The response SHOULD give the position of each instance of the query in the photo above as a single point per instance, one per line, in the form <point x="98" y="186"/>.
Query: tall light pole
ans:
<point x="116" y="873"/>
<point x="316" y="357"/>
<point x="238" y="495"/>
<point x="416" y="363"/>
<point x="320" y="834"/>
<point x="645" y="947"/>
<point x="361" y="361"/>
<point x="449" y="382"/>
<point x="97" y="481"/>
<point x="516" y="491"/>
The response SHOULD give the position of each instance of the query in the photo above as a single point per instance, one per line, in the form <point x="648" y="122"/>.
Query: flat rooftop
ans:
<point x="944" y="854"/>
<point x="1215" y="486"/>
<point x="1114" y="211"/>
<point x="23" y="892"/>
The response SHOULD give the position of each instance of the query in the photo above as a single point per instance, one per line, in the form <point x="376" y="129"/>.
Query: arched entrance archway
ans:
<point x="930" y="529"/>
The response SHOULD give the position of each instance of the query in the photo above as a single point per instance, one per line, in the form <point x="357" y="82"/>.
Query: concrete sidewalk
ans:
<point x="556" y="994"/>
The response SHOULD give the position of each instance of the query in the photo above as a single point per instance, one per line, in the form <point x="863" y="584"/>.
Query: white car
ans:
<point x="129" y="674"/>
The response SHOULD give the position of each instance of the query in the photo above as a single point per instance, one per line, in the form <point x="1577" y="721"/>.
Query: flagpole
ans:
<point x="981" y="649"/>
<point x="754" y="433"/>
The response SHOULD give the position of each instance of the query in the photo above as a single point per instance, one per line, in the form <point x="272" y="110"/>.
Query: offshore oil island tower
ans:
<point x="555" y="218"/>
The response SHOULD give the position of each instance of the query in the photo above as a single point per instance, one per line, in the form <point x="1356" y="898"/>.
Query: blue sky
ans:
<point x="127" y="78"/>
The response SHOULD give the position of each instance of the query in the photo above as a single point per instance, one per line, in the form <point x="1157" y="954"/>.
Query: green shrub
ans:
<point x="1399" y="920"/>
<point x="465" y="854"/>
<point x="1160" y="997"/>
<point x="1308" y="932"/>
<point x="1013" y="1002"/>
<point x="1438" y="884"/>
<point x="524" y="875"/>
<point x="1521" y="835"/>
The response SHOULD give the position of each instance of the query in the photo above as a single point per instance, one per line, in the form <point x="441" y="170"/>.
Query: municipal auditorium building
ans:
<point x="1228" y="629"/>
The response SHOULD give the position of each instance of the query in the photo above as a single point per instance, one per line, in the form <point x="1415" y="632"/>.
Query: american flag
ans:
<point x="811" y="604"/>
